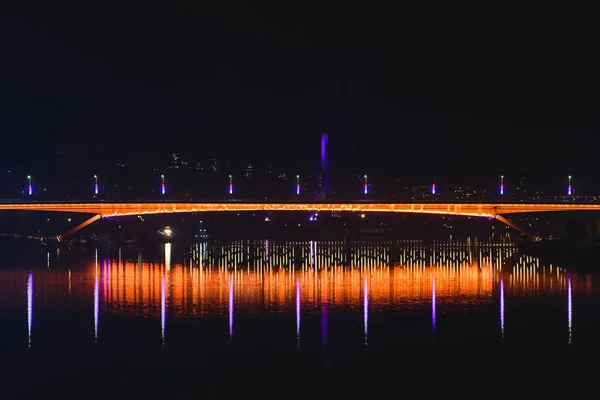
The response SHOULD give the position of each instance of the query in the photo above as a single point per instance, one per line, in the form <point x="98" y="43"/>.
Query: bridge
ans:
<point x="101" y="209"/>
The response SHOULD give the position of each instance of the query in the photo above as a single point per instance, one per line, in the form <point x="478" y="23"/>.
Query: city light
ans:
<point x="163" y="188"/>
<point x="297" y="184"/>
<point x="366" y="186"/>
<point x="95" y="184"/>
<point x="569" y="188"/>
<point x="502" y="185"/>
<point x="29" y="186"/>
<point x="230" y="184"/>
<point x="433" y="188"/>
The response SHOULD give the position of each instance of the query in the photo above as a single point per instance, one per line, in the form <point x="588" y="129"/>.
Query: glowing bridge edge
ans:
<point x="480" y="210"/>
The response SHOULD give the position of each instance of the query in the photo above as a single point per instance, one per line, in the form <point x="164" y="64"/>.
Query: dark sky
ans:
<point x="457" y="87"/>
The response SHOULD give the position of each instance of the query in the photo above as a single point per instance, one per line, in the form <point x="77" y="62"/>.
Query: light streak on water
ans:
<point x="298" y="304"/>
<point x="29" y="307"/>
<point x="231" y="305"/>
<point x="168" y="256"/>
<point x="163" y="307"/>
<point x="502" y="307"/>
<point x="569" y="309"/>
<point x="433" y="303"/>
<point x="96" y="303"/>
<point x="366" y="310"/>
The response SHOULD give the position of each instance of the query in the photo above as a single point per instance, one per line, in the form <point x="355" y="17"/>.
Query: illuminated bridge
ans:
<point x="114" y="209"/>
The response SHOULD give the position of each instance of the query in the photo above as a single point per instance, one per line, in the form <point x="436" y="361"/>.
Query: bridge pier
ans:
<point x="515" y="226"/>
<point x="95" y="218"/>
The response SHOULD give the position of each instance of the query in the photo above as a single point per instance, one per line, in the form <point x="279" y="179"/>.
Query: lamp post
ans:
<point x="95" y="185"/>
<point x="569" y="188"/>
<point x="297" y="184"/>
<point x="29" y="186"/>
<point x="501" y="185"/>
<point x="230" y="184"/>
<point x="366" y="186"/>
<point x="163" y="188"/>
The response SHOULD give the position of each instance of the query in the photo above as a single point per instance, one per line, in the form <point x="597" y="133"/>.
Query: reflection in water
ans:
<point x="366" y="309"/>
<point x="168" y="255"/>
<point x="313" y="253"/>
<point x="433" y="303"/>
<point x="163" y="307"/>
<point x="29" y="307"/>
<point x="96" y="302"/>
<point x="148" y="290"/>
<point x="266" y="252"/>
<point x="48" y="260"/>
<point x="230" y="301"/>
<point x="502" y="308"/>
<point x="298" y="310"/>
<point x="324" y="322"/>
<point x="569" y="308"/>
<point x="69" y="286"/>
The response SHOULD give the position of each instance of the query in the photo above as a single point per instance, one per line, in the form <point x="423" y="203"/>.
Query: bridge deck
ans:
<point x="109" y="209"/>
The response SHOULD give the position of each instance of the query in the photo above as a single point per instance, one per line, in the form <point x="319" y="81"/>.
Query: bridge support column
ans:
<point x="515" y="226"/>
<point x="82" y="225"/>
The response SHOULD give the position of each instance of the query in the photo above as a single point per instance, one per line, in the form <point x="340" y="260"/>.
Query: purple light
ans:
<point x="163" y="307"/>
<point x="231" y="188"/>
<point x="29" y="307"/>
<point x="366" y="309"/>
<point x="569" y="308"/>
<point x="95" y="188"/>
<point x="366" y="189"/>
<point x="569" y="190"/>
<point x="433" y="188"/>
<point x="30" y="189"/>
<point x="433" y="303"/>
<point x="298" y="189"/>
<point x="163" y="189"/>
<point x="324" y="322"/>
<point x="324" y="163"/>
<point x="501" y="189"/>
<point x="502" y="306"/>
<point x="96" y="303"/>
<point x="298" y="307"/>
<point x="231" y="305"/>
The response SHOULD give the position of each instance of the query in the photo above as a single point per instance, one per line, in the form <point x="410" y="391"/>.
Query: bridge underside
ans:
<point x="105" y="210"/>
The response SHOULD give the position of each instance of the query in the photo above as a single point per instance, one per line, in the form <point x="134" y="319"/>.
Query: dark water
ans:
<point x="280" y="319"/>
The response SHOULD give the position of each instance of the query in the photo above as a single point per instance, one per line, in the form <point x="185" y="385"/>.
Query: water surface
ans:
<point x="288" y="309"/>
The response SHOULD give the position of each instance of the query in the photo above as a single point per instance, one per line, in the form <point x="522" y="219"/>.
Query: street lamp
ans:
<point x="297" y="184"/>
<point x="230" y="184"/>
<point x="163" y="188"/>
<point x="501" y="185"/>
<point x="29" y="186"/>
<point x="569" y="188"/>
<point x="366" y="186"/>
<point x="95" y="185"/>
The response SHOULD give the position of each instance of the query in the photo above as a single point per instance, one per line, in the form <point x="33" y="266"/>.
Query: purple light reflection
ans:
<point x="163" y="307"/>
<point x="569" y="308"/>
<point x="96" y="303"/>
<point x="502" y="307"/>
<point x="298" y="308"/>
<point x="324" y="323"/>
<point x="231" y="305"/>
<point x="366" y="309"/>
<point x="29" y="307"/>
<point x="433" y="303"/>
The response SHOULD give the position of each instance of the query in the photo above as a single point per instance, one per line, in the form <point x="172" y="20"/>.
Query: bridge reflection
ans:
<point x="434" y="277"/>
<point x="468" y="275"/>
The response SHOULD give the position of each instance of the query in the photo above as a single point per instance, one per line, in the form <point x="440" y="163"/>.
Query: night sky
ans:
<point x="455" y="88"/>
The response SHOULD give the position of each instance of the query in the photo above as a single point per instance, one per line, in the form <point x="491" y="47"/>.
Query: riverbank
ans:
<point x="564" y="252"/>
